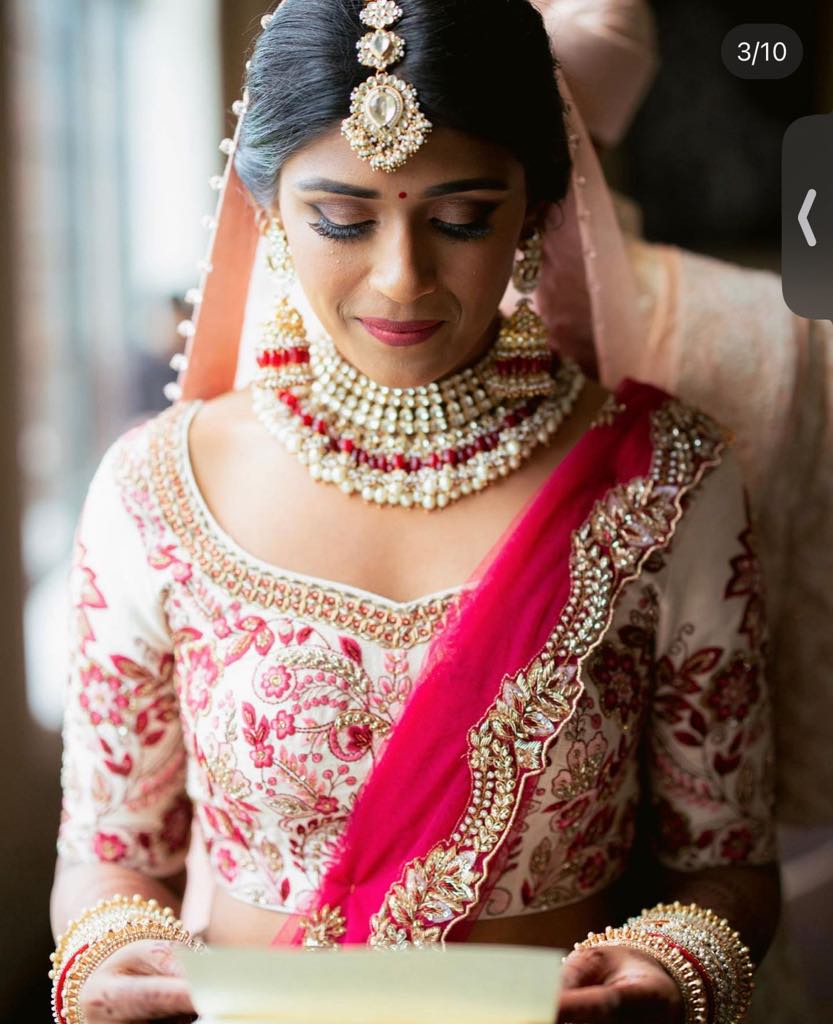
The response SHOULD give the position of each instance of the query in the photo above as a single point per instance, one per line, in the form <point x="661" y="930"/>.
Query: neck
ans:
<point x="485" y="345"/>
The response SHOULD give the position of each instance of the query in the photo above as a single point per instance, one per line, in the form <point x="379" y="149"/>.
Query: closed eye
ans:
<point x="473" y="230"/>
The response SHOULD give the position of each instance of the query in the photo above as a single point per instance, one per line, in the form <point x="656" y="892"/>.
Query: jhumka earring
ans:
<point x="284" y="353"/>
<point x="522" y="359"/>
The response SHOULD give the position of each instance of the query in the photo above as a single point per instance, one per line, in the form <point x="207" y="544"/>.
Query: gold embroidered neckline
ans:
<point x="392" y="624"/>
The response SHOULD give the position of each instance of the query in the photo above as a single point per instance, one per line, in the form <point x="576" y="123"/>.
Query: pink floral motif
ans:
<point x="284" y="725"/>
<point x="734" y="690"/>
<point x="351" y="648"/>
<point x="616" y="673"/>
<point x="737" y="845"/>
<point x="176" y="825"/>
<point x="275" y="683"/>
<point x="326" y="805"/>
<point x="88" y="596"/>
<point x="256" y="733"/>
<point x="109" y="848"/>
<point x="573" y="813"/>
<point x="592" y="870"/>
<point x="199" y="676"/>
<point x="163" y="557"/>
<point x="255" y="633"/>
<point x="359" y="740"/>
<point x="226" y="864"/>
<point x="747" y="582"/>
<point x="262" y="755"/>
<point x="103" y="696"/>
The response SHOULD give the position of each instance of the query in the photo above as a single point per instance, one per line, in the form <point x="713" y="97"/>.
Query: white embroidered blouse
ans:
<point x="206" y="682"/>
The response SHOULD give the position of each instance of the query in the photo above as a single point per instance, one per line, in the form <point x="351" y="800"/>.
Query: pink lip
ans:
<point x="401" y="332"/>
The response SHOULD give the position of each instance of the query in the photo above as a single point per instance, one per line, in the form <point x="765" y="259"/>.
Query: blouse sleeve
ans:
<point x="123" y="773"/>
<point x="710" y="760"/>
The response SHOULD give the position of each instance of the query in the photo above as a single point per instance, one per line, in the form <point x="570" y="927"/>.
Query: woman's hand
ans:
<point x="617" y="985"/>
<point x="140" y="982"/>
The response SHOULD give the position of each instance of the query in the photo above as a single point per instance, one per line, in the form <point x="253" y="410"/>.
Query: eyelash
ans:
<point x="349" y="232"/>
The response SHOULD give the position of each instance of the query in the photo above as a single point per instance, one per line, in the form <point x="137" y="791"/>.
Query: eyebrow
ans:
<point x="341" y="188"/>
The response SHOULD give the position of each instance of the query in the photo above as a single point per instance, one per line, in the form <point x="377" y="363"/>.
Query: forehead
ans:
<point x="448" y="155"/>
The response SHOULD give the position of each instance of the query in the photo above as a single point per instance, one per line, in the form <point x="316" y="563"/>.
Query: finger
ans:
<point x="585" y="967"/>
<point x="125" y="999"/>
<point x="186" y="1018"/>
<point x="596" y="1004"/>
<point x="147" y="957"/>
<point x="621" y="1001"/>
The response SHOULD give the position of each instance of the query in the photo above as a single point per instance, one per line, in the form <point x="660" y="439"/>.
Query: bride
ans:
<point x="432" y="637"/>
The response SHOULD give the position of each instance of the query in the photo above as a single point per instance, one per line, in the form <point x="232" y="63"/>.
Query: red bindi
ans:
<point x="403" y="195"/>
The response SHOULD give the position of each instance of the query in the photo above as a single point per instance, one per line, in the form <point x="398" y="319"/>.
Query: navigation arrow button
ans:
<point x="804" y="213"/>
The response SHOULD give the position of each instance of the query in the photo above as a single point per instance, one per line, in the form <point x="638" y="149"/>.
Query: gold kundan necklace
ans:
<point x="421" y="447"/>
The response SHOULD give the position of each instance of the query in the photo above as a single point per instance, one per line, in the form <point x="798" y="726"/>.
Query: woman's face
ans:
<point x="406" y="270"/>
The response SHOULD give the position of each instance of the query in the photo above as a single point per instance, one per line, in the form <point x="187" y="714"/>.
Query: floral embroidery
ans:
<point x="734" y="690"/>
<point x="606" y="416"/>
<point x="176" y="825"/>
<point x="109" y="848"/>
<point x="622" y="673"/>
<point x="747" y="581"/>
<point x="198" y="672"/>
<point x="324" y="928"/>
<point x="710" y="712"/>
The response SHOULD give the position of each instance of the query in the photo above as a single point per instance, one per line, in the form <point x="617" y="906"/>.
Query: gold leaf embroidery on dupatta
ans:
<point x="324" y="928"/>
<point x="610" y="409"/>
<point x="510" y="744"/>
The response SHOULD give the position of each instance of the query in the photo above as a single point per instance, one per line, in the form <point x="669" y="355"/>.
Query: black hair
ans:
<point x="482" y="67"/>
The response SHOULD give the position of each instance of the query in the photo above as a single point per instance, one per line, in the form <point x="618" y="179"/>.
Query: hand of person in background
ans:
<point x="614" y="985"/>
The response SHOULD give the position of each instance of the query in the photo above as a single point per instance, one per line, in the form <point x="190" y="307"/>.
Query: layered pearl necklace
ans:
<point x="412" y="447"/>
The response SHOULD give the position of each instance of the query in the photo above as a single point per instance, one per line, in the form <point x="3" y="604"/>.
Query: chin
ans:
<point x="403" y="368"/>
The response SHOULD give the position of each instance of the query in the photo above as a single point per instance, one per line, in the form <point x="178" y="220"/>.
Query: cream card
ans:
<point x="463" y="984"/>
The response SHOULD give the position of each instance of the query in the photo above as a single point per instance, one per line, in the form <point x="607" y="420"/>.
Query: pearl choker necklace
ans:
<point x="412" y="447"/>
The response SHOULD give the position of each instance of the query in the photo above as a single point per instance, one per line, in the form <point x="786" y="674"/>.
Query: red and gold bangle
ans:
<point x="702" y="952"/>
<point x="58" y="987"/>
<point x="687" y="977"/>
<point x="724" y="958"/>
<point x="708" y="988"/>
<point x="98" y="933"/>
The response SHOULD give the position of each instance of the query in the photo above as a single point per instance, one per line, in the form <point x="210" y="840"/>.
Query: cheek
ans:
<point x="479" y="273"/>
<point x="327" y="272"/>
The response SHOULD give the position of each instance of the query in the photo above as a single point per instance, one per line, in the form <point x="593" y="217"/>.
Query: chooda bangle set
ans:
<point x="701" y="952"/>
<point x="95" y="935"/>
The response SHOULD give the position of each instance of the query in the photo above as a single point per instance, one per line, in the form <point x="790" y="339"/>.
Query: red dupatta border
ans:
<point x="452" y="818"/>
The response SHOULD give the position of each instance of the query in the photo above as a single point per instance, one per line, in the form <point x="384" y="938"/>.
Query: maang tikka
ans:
<point x="284" y="352"/>
<point x="522" y="358"/>
<point x="386" y="125"/>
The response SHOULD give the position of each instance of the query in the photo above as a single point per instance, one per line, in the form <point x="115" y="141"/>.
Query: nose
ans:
<point x="403" y="269"/>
